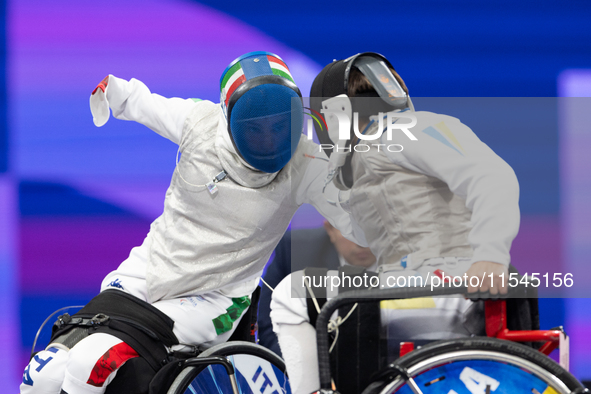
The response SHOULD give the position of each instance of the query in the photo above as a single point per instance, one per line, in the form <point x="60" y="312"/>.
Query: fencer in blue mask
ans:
<point x="243" y="169"/>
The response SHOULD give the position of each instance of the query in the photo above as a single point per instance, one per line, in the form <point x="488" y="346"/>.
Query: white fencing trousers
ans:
<point x="87" y="368"/>
<point x="203" y="321"/>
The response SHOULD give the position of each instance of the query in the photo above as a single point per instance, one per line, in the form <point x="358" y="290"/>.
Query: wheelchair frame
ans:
<point x="495" y="322"/>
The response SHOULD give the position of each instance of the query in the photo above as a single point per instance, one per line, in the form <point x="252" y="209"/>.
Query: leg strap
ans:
<point x="143" y="327"/>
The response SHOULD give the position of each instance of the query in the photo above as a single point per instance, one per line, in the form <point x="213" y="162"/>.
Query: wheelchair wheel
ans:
<point x="258" y="370"/>
<point x="475" y="365"/>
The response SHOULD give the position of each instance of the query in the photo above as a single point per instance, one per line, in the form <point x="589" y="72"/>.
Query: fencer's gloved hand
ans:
<point x="483" y="269"/>
<point x="99" y="105"/>
<point x="102" y="85"/>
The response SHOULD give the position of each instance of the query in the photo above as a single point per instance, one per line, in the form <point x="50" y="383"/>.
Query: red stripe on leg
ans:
<point x="109" y="362"/>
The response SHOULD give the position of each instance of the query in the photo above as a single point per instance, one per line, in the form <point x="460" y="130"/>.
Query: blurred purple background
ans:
<point x="74" y="199"/>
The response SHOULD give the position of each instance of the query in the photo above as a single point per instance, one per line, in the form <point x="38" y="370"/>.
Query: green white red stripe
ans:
<point x="233" y="78"/>
<point x="279" y="68"/>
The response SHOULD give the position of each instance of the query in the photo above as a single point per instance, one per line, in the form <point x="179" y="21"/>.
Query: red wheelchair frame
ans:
<point x="496" y="327"/>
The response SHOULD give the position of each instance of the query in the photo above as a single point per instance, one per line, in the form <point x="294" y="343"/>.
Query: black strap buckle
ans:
<point x="63" y="320"/>
<point x="99" y="319"/>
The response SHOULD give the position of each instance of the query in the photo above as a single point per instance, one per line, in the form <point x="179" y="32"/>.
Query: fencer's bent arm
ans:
<point x="475" y="173"/>
<point x="309" y="189"/>
<point x="132" y="100"/>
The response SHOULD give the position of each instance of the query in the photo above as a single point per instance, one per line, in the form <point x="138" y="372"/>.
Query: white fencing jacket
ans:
<point x="447" y="194"/>
<point x="205" y="242"/>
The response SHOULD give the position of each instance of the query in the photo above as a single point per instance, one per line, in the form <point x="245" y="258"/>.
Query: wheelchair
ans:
<point x="497" y="363"/>
<point x="493" y="364"/>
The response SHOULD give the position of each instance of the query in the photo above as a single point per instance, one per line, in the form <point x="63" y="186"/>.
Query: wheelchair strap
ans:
<point x="356" y="354"/>
<point x="146" y="329"/>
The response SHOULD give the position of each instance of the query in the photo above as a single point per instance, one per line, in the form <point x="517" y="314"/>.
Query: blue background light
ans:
<point x="75" y="198"/>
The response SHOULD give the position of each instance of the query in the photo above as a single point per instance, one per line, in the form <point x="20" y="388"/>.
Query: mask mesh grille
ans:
<point x="264" y="128"/>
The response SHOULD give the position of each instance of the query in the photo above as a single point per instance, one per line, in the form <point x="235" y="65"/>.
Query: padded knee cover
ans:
<point x="45" y="372"/>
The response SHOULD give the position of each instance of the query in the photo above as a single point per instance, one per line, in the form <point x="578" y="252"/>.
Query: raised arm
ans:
<point x="132" y="100"/>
